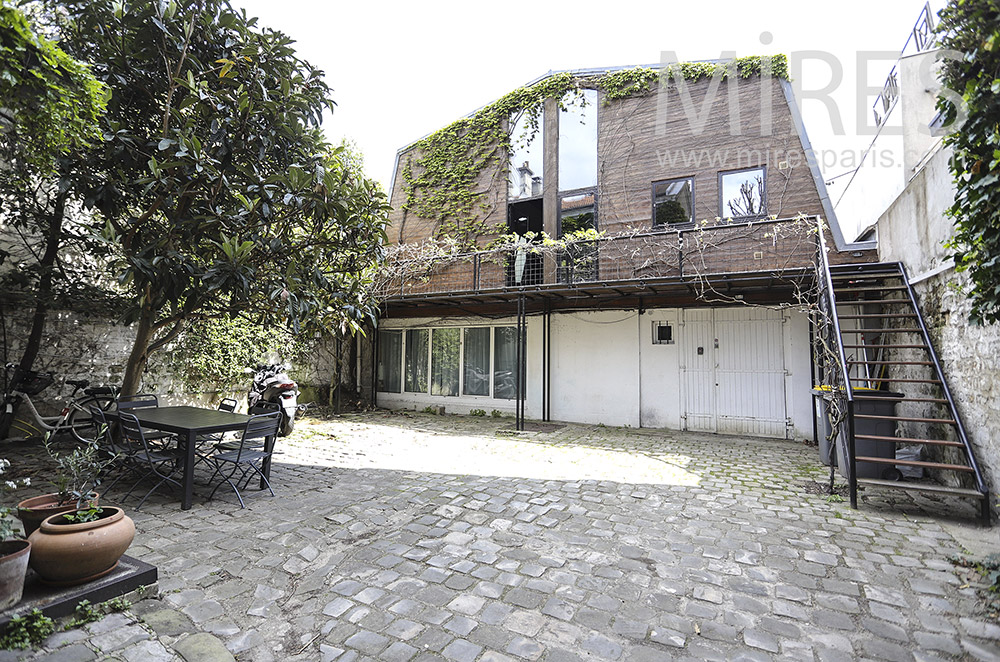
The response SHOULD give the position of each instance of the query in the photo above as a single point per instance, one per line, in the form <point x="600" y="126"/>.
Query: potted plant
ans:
<point x="13" y="552"/>
<point x="75" y="547"/>
<point x="75" y="479"/>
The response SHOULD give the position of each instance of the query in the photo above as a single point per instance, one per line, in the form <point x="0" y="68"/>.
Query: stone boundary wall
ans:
<point x="78" y="345"/>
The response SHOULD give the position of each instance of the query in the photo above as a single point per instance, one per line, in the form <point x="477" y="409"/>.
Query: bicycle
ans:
<point x="75" y="417"/>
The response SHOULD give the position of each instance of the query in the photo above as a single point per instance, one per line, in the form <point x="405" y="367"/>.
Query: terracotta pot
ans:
<point x="65" y="554"/>
<point x="32" y="511"/>
<point x="13" y="565"/>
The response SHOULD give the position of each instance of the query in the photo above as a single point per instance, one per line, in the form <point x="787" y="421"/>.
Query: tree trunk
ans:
<point x="139" y="356"/>
<point x="44" y="295"/>
<point x="352" y="366"/>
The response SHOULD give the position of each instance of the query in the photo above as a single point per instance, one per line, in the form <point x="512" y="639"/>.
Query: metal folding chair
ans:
<point x="255" y="445"/>
<point x="144" y="401"/>
<point x="160" y="463"/>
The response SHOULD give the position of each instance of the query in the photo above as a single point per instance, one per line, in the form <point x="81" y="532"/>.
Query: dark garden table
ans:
<point x="189" y="423"/>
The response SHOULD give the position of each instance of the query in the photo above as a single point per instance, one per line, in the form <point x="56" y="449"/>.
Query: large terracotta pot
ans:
<point x="32" y="511"/>
<point x="65" y="554"/>
<point x="13" y="565"/>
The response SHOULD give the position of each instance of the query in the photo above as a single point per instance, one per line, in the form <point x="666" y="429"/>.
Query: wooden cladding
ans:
<point x="696" y="132"/>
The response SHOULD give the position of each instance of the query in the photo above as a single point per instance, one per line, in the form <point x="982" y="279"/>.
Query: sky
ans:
<point x="401" y="70"/>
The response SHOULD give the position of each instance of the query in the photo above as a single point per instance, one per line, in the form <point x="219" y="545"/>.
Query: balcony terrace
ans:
<point x="766" y="260"/>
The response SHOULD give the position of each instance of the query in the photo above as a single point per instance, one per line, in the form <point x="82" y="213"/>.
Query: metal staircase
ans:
<point x="873" y="350"/>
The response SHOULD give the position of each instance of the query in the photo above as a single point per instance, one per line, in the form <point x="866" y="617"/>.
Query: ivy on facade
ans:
<point x="972" y="28"/>
<point x="442" y="173"/>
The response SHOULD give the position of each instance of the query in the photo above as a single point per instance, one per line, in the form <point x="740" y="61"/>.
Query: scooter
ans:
<point x="271" y="383"/>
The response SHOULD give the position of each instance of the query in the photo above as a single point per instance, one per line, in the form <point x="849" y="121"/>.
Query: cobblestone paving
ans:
<point x="416" y="537"/>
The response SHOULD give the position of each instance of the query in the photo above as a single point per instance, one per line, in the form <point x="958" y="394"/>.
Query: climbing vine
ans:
<point x="441" y="174"/>
<point x="972" y="85"/>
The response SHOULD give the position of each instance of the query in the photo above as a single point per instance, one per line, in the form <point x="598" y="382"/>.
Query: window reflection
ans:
<point x="526" y="167"/>
<point x="743" y="193"/>
<point x="673" y="201"/>
<point x="578" y="141"/>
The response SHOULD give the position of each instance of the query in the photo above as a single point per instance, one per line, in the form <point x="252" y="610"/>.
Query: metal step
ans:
<point x="921" y="487"/>
<point x="874" y="417"/>
<point x="861" y="396"/>
<point x="847" y="278"/>
<point x="841" y="290"/>
<point x="891" y="379"/>
<point x="908" y="440"/>
<point x="864" y="316"/>
<point x="880" y="346"/>
<point x="855" y="302"/>
<point x="907" y="330"/>
<point x="915" y="463"/>
<point x="889" y="362"/>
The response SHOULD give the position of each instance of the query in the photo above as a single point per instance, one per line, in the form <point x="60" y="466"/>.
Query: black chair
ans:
<point x="120" y="454"/>
<point x="218" y="438"/>
<point x="144" y="401"/>
<point x="158" y="462"/>
<point x="255" y="446"/>
<point x="261" y="407"/>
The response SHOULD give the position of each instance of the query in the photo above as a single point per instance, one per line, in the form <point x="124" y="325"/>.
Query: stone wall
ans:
<point x="912" y="230"/>
<point x="81" y="345"/>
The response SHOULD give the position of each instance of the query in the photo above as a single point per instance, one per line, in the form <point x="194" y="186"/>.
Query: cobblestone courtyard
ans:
<point x="418" y="537"/>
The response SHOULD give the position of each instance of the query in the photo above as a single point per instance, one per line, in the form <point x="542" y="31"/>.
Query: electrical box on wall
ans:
<point x="663" y="333"/>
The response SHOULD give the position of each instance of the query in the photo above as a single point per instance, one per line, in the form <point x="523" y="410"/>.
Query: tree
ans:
<point x="221" y="196"/>
<point x="51" y="105"/>
<point x="972" y="28"/>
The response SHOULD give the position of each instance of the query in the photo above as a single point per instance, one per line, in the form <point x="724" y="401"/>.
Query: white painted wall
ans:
<point x="606" y="368"/>
<point x="595" y="367"/>
<point x="660" y="392"/>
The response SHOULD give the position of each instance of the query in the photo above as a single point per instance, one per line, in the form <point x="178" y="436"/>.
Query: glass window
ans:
<point x="445" y="345"/>
<point x="578" y="141"/>
<point x="477" y="362"/>
<point x="504" y="362"/>
<point x="525" y="170"/>
<point x="576" y="213"/>
<point x="578" y="262"/>
<point x="390" y="354"/>
<point x="673" y="201"/>
<point x="416" y="360"/>
<point x="743" y="193"/>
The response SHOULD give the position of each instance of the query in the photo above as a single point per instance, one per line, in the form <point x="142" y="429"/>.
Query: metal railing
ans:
<point x="769" y="245"/>
<point x="833" y="361"/>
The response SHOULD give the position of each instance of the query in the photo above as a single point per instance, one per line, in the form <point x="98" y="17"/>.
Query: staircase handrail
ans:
<point x="831" y="302"/>
<point x="959" y="427"/>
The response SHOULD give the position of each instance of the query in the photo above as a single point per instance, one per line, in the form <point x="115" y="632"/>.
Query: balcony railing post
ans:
<point x="851" y="459"/>
<point x="680" y="253"/>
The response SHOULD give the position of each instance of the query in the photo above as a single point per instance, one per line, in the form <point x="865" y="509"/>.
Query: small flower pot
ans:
<point x="33" y="511"/>
<point x="13" y="564"/>
<point x="66" y="554"/>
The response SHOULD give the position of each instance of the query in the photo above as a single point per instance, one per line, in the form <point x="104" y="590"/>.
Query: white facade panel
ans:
<point x="697" y="339"/>
<point x="750" y="372"/>
<point x="659" y="365"/>
<point x="751" y="375"/>
<point x="595" y="367"/>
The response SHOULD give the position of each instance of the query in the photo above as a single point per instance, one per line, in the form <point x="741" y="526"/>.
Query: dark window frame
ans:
<point x="763" y="201"/>
<point x="652" y="202"/>
<point x="589" y="190"/>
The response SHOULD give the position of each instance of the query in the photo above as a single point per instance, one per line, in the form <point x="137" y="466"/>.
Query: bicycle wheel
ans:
<point x="79" y="421"/>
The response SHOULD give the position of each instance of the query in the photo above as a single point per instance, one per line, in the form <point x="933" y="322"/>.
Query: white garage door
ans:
<point x="733" y="371"/>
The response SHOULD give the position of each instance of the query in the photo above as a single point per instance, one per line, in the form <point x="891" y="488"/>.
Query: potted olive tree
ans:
<point x="76" y="476"/>
<point x="14" y="552"/>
